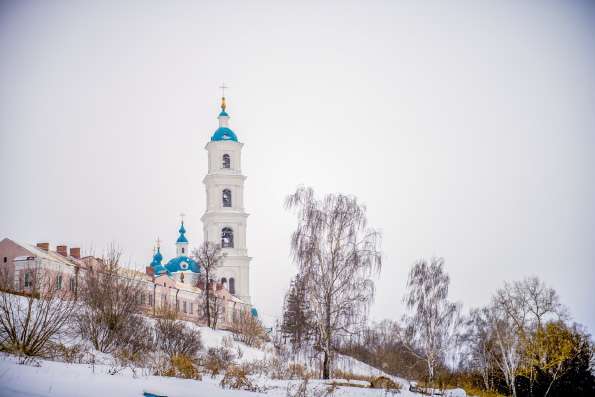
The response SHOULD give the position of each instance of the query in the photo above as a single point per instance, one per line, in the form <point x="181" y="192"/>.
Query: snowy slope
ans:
<point x="56" y="379"/>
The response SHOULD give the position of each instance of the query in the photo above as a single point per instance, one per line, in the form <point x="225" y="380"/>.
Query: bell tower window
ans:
<point x="227" y="238"/>
<point x="226" y="198"/>
<point x="232" y="285"/>
<point x="226" y="161"/>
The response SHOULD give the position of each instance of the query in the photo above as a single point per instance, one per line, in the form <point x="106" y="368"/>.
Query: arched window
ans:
<point x="223" y="280"/>
<point x="226" y="198"/>
<point x="226" y="161"/>
<point x="232" y="285"/>
<point x="227" y="238"/>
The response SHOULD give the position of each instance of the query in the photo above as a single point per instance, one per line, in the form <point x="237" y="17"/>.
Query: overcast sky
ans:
<point x="467" y="128"/>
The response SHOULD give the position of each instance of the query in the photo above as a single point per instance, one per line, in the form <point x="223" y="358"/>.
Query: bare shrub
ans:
<point x="238" y="377"/>
<point x="110" y="302"/>
<point x="249" y="330"/>
<point x="69" y="354"/>
<point x="31" y="321"/>
<point x="349" y="376"/>
<point x="303" y="389"/>
<point x="182" y="366"/>
<point x="217" y="360"/>
<point x="382" y="382"/>
<point x="173" y="338"/>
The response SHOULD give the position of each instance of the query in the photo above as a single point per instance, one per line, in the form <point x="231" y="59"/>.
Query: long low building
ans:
<point x="160" y="290"/>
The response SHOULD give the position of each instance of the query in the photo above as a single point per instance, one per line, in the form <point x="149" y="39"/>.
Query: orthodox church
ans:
<point x="223" y="222"/>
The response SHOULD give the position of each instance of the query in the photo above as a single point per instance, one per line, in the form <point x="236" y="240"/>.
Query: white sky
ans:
<point x="467" y="128"/>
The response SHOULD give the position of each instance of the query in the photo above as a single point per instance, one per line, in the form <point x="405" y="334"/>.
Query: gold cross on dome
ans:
<point x="158" y="241"/>
<point x="182" y="215"/>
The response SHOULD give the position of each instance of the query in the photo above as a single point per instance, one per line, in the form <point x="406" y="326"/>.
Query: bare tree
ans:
<point x="336" y="253"/>
<point x="518" y="310"/>
<point x="479" y="342"/>
<point x="209" y="256"/>
<point x="434" y="319"/>
<point x="31" y="319"/>
<point x="109" y="294"/>
<point x="215" y="305"/>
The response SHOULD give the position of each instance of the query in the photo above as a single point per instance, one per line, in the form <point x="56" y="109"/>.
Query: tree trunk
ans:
<point x="207" y="299"/>
<point x="326" y="367"/>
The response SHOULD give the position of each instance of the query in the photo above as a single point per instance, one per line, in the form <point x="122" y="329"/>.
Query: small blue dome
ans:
<point x="223" y="113"/>
<point x="254" y="312"/>
<point x="224" y="134"/>
<point x="157" y="258"/>
<point x="182" y="263"/>
<point x="182" y="238"/>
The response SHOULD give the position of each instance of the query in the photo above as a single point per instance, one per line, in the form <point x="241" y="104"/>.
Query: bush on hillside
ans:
<point x="173" y="337"/>
<point x="238" y="377"/>
<point x="217" y="360"/>
<point x="382" y="382"/>
<point x="249" y="330"/>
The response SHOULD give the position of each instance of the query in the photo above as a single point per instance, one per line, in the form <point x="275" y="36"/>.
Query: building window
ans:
<point x="72" y="283"/>
<point x="227" y="238"/>
<point x="59" y="282"/>
<point x="150" y="300"/>
<point x="28" y="281"/>
<point x="226" y="198"/>
<point x="5" y="259"/>
<point x="184" y="306"/>
<point x="191" y="308"/>
<point x="223" y="280"/>
<point x="163" y="300"/>
<point x="182" y="277"/>
<point x="226" y="161"/>
<point x="232" y="285"/>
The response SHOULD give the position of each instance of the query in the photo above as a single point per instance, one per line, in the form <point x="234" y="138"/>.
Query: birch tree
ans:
<point x="433" y="319"/>
<point x="336" y="253"/>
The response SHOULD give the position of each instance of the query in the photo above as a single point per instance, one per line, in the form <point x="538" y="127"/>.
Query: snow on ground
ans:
<point x="57" y="379"/>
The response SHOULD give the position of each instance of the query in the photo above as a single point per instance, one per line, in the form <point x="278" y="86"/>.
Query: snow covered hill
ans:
<point x="44" y="378"/>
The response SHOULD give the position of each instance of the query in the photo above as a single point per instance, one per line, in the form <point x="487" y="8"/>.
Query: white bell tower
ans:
<point x="224" y="220"/>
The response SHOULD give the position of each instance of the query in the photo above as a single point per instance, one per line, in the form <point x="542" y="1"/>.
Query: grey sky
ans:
<point x="467" y="128"/>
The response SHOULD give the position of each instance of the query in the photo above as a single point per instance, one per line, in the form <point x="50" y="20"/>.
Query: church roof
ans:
<point x="182" y="263"/>
<point x="224" y="134"/>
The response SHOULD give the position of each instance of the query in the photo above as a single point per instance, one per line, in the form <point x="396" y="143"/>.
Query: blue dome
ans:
<point x="182" y="238"/>
<point x="224" y="134"/>
<point x="223" y="113"/>
<point x="157" y="258"/>
<point x="182" y="263"/>
<point x="254" y="312"/>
